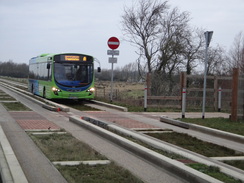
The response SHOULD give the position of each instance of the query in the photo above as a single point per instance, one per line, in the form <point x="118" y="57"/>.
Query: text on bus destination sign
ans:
<point x="74" y="58"/>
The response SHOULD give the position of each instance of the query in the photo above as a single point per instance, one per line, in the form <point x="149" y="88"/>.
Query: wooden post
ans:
<point x="104" y="92"/>
<point x="149" y="83"/>
<point x="215" y="93"/>
<point x="234" y="103"/>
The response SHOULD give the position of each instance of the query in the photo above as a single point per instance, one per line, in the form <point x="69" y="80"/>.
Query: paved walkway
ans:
<point x="120" y="119"/>
<point x="35" y="165"/>
<point x="30" y="120"/>
<point x="124" y="119"/>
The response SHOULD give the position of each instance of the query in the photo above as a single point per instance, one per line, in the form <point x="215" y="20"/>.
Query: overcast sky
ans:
<point x="31" y="27"/>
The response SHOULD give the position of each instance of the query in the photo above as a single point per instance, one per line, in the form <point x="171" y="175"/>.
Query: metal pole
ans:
<point x="183" y="102"/>
<point x="219" y="99"/>
<point x="204" y="83"/>
<point x="112" y="76"/>
<point x="208" y="36"/>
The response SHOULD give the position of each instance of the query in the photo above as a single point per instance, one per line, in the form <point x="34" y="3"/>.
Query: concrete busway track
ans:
<point x="204" y="161"/>
<point x="33" y="165"/>
<point x="15" y="83"/>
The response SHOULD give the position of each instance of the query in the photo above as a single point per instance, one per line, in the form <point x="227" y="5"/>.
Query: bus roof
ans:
<point x="44" y="56"/>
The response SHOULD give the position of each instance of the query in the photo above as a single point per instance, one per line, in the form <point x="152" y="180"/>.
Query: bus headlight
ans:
<point x="55" y="90"/>
<point x="91" y="90"/>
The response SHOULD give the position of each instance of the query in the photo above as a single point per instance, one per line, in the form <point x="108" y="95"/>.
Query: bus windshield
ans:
<point x="73" y="74"/>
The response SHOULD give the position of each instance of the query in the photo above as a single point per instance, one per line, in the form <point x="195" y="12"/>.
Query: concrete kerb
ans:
<point x="58" y="106"/>
<point x="167" y="147"/>
<point x="90" y="163"/>
<point x="110" y="105"/>
<point x="11" y="170"/>
<point x="215" y="132"/>
<point x="170" y="165"/>
<point x="5" y="174"/>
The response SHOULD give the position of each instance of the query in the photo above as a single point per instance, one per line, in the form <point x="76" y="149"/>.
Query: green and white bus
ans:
<point x="62" y="76"/>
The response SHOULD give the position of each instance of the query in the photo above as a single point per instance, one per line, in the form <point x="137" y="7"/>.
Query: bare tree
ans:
<point x="130" y="72"/>
<point x="13" y="69"/>
<point x="174" y="39"/>
<point x="237" y="53"/>
<point x="217" y="64"/>
<point x="174" y="29"/>
<point x="194" y="42"/>
<point x="141" y="25"/>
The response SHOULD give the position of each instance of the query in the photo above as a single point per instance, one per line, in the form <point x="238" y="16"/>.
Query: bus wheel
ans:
<point x="32" y="89"/>
<point x="44" y="92"/>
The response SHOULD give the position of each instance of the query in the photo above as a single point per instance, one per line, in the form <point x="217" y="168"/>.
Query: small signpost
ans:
<point x="113" y="44"/>
<point x="208" y="36"/>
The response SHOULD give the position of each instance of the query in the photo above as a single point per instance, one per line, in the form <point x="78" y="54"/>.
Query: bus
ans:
<point x="62" y="76"/>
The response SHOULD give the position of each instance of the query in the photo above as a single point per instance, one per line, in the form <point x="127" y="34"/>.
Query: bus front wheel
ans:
<point x="32" y="89"/>
<point x="44" y="93"/>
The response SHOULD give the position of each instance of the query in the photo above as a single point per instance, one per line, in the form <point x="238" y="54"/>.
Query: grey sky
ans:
<point x="31" y="27"/>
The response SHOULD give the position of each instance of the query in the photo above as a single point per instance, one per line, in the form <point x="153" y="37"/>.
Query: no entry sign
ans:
<point x="113" y="43"/>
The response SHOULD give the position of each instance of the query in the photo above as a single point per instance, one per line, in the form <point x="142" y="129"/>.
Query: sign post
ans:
<point x="113" y="44"/>
<point x="208" y="36"/>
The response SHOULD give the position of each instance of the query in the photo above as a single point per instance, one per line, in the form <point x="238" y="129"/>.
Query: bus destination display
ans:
<point x="71" y="58"/>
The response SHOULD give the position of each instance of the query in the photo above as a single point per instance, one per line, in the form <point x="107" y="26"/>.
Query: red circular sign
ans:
<point x="113" y="43"/>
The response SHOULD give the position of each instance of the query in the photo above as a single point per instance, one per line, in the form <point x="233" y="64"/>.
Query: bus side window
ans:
<point x="48" y="71"/>
<point x="48" y="65"/>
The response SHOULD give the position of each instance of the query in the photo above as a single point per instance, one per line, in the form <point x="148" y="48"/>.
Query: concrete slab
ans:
<point x="48" y="133"/>
<point x="230" y="158"/>
<point x="120" y="119"/>
<point x="30" y="120"/>
<point x="91" y="163"/>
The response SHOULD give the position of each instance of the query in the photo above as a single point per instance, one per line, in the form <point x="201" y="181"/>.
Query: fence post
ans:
<point x="104" y="93"/>
<point x="149" y="83"/>
<point x="145" y="98"/>
<point x="182" y="84"/>
<point x="215" y="93"/>
<point x="182" y="81"/>
<point x="234" y="102"/>
<point x="183" y="107"/>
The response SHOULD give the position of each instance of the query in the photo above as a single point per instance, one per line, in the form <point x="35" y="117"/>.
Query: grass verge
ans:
<point x="15" y="106"/>
<point x="238" y="163"/>
<point x="214" y="172"/>
<point x="100" y="173"/>
<point x="67" y="148"/>
<point x="77" y="104"/>
<point x="218" y="123"/>
<point x="194" y="144"/>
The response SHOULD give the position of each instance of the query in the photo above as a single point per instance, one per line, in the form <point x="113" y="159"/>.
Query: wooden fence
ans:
<point x="194" y="92"/>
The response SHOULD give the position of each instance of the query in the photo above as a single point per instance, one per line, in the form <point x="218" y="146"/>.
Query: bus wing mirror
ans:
<point x="99" y="69"/>
<point x="48" y="65"/>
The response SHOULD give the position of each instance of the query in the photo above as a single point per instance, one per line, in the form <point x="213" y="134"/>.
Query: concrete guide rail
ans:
<point x="234" y="172"/>
<point x="170" y="165"/>
<point x="211" y="131"/>
<point x="110" y="105"/>
<point x="53" y="106"/>
<point x="47" y="104"/>
<point x="10" y="168"/>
